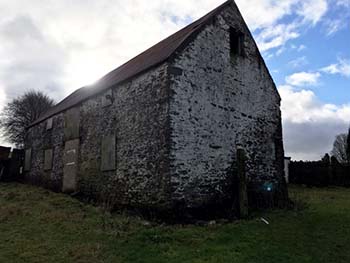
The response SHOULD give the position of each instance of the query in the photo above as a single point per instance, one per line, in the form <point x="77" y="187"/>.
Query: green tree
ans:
<point x="19" y="113"/>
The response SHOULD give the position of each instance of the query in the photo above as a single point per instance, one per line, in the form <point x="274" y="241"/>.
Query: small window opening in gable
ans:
<point x="236" y="43"/>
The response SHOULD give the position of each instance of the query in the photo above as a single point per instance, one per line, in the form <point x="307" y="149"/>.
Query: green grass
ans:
<point x="37" y="225"/>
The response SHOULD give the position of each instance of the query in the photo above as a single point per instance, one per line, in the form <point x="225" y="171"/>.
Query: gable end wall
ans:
<point x="218" y="103"/>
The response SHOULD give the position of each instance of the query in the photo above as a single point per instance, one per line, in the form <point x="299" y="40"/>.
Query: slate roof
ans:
<point x="153" y="56"/>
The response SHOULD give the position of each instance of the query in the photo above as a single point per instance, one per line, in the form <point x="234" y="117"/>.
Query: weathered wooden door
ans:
<point x="70" y="162"/>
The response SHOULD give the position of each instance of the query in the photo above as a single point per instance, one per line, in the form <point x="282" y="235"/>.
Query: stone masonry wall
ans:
<point x="38" y="140"/>
<point x="176" y="129"/>
<point x="219" y="102"/>
<point x="138" y="119"/>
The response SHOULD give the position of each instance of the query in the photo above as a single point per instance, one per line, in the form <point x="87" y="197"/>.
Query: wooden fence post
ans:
<point x="242" y="184"/>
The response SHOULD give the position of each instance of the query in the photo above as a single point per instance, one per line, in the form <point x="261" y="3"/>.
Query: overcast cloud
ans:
<point x="309" y="125"/>
<point x="59" y="46"/>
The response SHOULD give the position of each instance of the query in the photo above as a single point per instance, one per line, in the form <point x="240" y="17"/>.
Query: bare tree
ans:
<point x="341" y="149"/>
<point x="348" y="146"/>
<point x="21" y="112"/>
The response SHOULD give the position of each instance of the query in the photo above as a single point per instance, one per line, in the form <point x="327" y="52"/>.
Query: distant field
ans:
<point x="40" y="226"/>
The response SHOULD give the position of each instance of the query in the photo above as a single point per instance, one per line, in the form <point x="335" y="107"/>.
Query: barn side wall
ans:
<point x="38" y="139"/>
<point x="137" y="117"/>
<point x="219" y="102"/>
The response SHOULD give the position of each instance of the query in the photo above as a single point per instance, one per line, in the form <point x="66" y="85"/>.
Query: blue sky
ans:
<point x="318" y="50"/>
<point x="59" y="46"/>
<point x="311" y="68"/>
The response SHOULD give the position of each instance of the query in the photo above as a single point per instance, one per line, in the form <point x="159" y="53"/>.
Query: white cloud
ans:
<point x="298" y="62"/>
<point x="280" y="51"/>
<point x="310" y="125"/>
<point x="303" y="106"/>
<point x="342" y="68"/>
<point x="344" y="3"/>
<point x="334" y="25"/>
<point x="313" y="10"/>
<point x="303" y="78"/>
<point x="277" y="36"/>
<point x="264" y="14"/>
<point x="36" y="61"/>
<point x="301" y="48"/>
<point x="298" y="48"/>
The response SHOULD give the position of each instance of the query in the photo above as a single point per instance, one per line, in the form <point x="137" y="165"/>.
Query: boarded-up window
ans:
<point x="70" y="162"/>
<point x="108" y="153"/>
<point x="48" y="159"/>
<point x="49" y="123"/>
<point x="27" y="159"/>
<point x="71" y="124"/>
<point x="107" y="98"/>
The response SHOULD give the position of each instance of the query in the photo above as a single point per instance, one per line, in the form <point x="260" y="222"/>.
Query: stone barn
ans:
<point x="162" y="130"/>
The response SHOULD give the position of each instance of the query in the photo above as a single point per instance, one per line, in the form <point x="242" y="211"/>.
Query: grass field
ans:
<point x="40" y="226"/>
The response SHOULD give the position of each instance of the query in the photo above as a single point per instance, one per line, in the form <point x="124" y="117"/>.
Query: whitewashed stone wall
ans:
<point x="176" y="129"/>
<point x="220" y="102"/>
<point x="138" y="117"/>
<point x="40" y="139"/>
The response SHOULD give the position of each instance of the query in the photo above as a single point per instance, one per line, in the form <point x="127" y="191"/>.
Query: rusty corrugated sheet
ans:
<point x="149" y="58"/>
